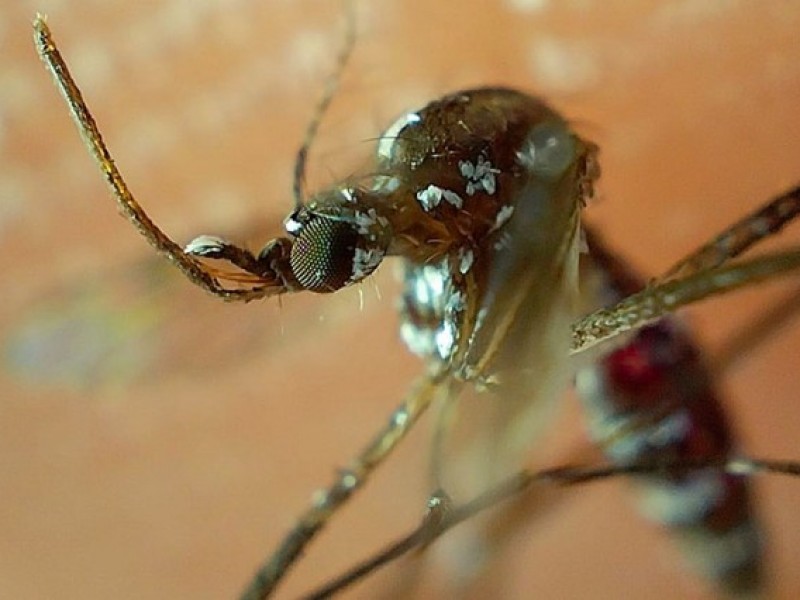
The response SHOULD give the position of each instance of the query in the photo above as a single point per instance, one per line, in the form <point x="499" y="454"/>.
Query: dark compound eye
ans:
<point x="323" y="254"/>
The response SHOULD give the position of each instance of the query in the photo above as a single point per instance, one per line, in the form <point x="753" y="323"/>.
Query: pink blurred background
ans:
<point x="156" y="444"/>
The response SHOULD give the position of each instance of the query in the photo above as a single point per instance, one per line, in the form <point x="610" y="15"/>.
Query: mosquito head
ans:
<point x="337" y="241"/>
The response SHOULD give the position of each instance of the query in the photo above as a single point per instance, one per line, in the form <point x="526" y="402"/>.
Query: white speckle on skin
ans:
<point x="682" y="14"/>
<point x="562" y="65"/>
<point x="527" y="6"/>
<point x="307" y="50"/>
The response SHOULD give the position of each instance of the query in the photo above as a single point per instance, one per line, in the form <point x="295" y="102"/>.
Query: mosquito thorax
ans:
<point x="459" y="173"/>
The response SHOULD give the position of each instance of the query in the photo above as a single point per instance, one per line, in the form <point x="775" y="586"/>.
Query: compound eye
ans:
<point x="324" y="253"/>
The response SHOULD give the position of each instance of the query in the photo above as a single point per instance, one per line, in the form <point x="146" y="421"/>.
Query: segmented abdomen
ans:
<point x="653" y="399"/>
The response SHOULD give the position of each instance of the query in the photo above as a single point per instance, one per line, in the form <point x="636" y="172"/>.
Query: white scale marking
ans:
<point x="480" y="176"/>
<point x="389" y="137"/>
<point x="432" y="196"/>
<point x="205" y="244"/>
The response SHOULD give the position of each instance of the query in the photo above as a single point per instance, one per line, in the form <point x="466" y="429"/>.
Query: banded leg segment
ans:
<point x="760" y="224"/>
<point x="702" y="274"/>
<point x="329" y="500"/>
<point x="438" y="520"/>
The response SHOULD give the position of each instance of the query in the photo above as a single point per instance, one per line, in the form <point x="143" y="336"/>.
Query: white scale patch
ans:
<point x="367" y="220"/>
<point x="370" y="224"/>
<point x="292" y="226"/>
<point x="466" y="257"/>
<point x="445" y="338"/>
<point x="389" y="137"/>
<point x="479" y="176"/>
<point x="385" y="184"/>
<point x="432" y="196"/>
<point x="625" y="441"/>
<point x="365" y="262"/>
<point x="503" y="242"/>
<point x="503" y="216"/>
<point x="670" y="430"/>
<point x="432" y="297"/>
<point x="683" y="503"/>
<point x="205" y="244"/>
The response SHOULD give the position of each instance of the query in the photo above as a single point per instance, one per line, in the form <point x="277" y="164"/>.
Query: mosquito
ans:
<point x="508" y="294"/>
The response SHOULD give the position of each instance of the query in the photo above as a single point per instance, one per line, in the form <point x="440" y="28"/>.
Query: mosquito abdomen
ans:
<point x="652" y="400"/>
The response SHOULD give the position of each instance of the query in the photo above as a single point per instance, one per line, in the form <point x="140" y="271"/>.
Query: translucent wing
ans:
<point x="498" y="306"/>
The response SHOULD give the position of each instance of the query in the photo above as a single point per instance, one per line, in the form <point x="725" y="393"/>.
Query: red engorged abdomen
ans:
<point x="653" y="400"/>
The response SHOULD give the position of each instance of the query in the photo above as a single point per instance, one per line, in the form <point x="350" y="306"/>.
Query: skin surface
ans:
<point x="157" y="443"/>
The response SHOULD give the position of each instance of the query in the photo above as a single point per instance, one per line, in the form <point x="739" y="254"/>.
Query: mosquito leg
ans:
<point x="331" y="85"/>
<point x="328" y="501"/>
<point x="698" y="276"/>
<point x="762" y="223"/>
<point x="435" y="515"/>
<point x="655" y="301"/>
<point x="194" y="271"/>
<point x="432" y="528"/>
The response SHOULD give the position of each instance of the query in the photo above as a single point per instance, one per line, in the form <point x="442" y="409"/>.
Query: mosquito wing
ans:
<point x="499" y="305"/>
